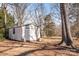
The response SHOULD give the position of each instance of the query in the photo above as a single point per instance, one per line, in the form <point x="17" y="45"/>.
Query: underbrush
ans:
<point x="2" y="37"/>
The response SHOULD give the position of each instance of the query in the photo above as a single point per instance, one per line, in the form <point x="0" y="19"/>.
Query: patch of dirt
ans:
<point x="43" y="48"/>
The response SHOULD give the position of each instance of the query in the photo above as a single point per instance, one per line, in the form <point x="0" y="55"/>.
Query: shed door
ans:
<point x="27" y="33"/>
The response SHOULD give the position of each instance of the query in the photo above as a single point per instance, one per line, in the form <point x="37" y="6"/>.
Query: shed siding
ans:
<point x="18" y="33"/>
<point x="27" y="33"/>
<point x="32" y="33"/>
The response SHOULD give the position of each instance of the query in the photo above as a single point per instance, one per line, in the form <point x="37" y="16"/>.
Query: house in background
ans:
<point x="27" y="32"/>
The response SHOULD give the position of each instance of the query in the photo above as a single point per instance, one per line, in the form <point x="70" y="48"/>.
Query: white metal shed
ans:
<point x="28" y="32"/>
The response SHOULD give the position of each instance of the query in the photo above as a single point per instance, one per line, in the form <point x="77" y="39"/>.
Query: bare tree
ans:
<point x="38" y="18"/>
<point x="4" y="6"/>
<point x="39" y="14"/>
<point x="74" y="13"/>
<point x="56" y="17"/>
<point x="66" y="33"/>
<point x="19" y="11"/>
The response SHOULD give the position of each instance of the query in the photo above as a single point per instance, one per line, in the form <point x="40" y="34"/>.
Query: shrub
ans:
<point x="48" y="32"/>
<point x="1" y="37"/>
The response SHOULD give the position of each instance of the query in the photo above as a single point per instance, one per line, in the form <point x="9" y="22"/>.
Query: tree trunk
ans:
<point x="67" y="25"/>
<point x="5" y="18"/>
<point x="66" y="34"/>
<point x="63" y="25"/>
